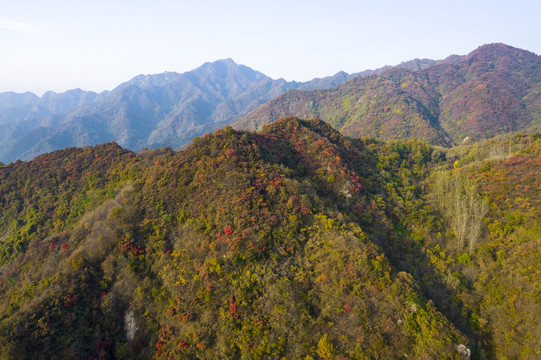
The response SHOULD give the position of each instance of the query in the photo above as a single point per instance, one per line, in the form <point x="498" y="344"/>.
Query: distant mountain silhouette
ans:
<point x="147" y="111"/>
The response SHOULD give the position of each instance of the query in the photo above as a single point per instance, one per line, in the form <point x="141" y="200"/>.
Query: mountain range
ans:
<point x="167" y="109"/>
<point x="495" y="89"/>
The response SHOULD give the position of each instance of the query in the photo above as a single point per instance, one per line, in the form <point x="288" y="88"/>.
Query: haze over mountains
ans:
<point x="439" y="101"/>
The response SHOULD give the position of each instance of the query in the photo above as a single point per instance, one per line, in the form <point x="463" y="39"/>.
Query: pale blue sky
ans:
<point x="95" y="45"/>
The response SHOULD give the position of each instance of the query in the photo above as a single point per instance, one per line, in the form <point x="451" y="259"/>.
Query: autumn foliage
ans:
<point x="292" y="242"/>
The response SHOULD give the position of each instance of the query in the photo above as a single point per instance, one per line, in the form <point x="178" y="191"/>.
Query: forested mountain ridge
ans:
<point x="291" y="242"/>
<point x="167" y="109"/>
<point x="496" y="89"/>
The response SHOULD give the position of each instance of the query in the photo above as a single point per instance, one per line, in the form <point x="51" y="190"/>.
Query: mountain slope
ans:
<point x="372" y="106"/>
<point x="291" y="242"/>
<point x="493" y="90"/>
<point x="241" y="245"/>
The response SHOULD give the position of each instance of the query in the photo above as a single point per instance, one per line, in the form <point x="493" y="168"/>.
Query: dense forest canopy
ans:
<point x="294" y="242"/>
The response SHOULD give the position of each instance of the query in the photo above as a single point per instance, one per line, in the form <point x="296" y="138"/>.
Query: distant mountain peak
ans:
<point x="227" y="61"/>
<point x="495" y="46"/>
<point x="224" y="68"/>
<point x="494" y="50"/>
<point x="221" y="62"/>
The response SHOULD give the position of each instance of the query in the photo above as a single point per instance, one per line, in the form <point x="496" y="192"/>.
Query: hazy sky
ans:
<point x="95" y="45"/>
